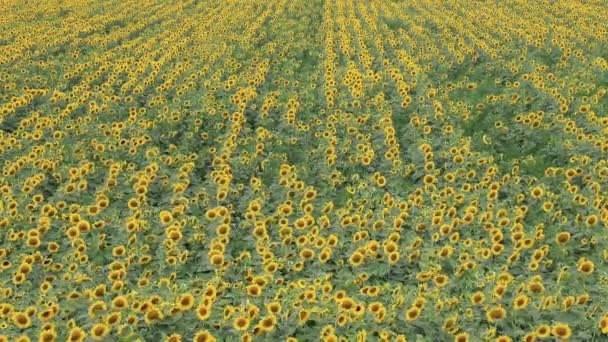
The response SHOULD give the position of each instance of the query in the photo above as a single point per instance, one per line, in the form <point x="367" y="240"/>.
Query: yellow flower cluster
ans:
<point x="304" y="170"/>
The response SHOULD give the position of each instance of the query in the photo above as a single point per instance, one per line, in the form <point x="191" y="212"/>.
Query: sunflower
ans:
<point x="586" y="266"/>
<point x="604" y="324"/>
<point x="120" y="302"/>
<point x="133" y="203"/>
<point x="412" y="314"/>
<point x="356" y="259"/>
<point x="113" y="318"/>
<point x="203" y="312"/>
<point x="153" y="315"/>
<point x="530" y="337"/>
<point x="185" y="302"/>
<point x="478" y="298"/>
<point x="274" y="307"/>
<point x="99" y="331"/>
<point x="241" y="323"/>
<point x="21" y="320"/>
<point x="461" y="337"/>
<point x="267" y="324"/>
<point x="203" y="336"/>
<point x="441" y="280"/>
<point x="561" y="331"/>
<point x="537" y="192"/>
<point x="520" y="302"/>
<point x="307" y="254"/>
<point x="254" y="290"/>
<point x="173" y="338"/>
<point x="303" y="316"/>
<point x="165" y="217"/>
<point x="47" y="336"/>
<point x="543" y="331"/>
<point x="76" y="335"/>
<point x="562" y="237"/>
<point x="496" y="313"/>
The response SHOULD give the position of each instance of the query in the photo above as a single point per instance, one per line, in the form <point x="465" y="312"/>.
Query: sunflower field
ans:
<point x="303" y="170"/>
